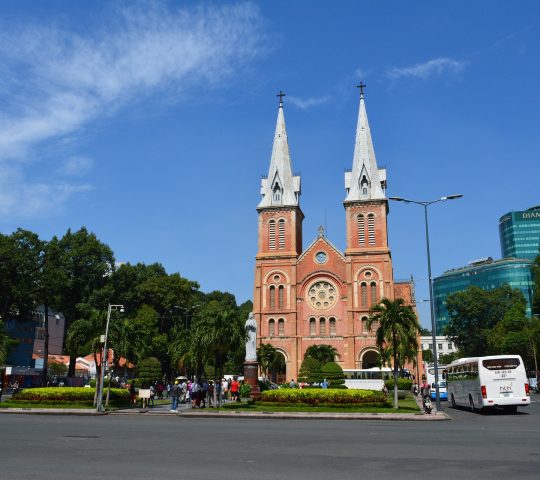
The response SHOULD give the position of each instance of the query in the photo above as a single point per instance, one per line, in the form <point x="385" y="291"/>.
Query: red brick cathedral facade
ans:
<point x="321" y="295"/>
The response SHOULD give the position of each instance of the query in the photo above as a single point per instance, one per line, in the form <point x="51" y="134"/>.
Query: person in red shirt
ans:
<point x="235" y="386"/>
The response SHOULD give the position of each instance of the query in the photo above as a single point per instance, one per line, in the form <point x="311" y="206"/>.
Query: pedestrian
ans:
<point x="218" y="393"/>
<point x="224" y="389"/>
<point x="175" y="395"/>
<point x="324" y="384"/>
<point x="204" y="393"/>
<point x="292" y="384"/>
<point x="235" y="387"/>
<point x="184" y="392"/>
<point x="132" y="394"/>
<point x="152" y="394"/>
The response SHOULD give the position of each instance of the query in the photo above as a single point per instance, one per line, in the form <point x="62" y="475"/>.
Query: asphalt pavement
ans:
<point x="147" y="447"/>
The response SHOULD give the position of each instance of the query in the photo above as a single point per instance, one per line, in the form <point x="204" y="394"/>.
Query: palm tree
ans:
<point x="266" y="356"/>
<point x="322" y="353"/>
<point x="396" y="334"/>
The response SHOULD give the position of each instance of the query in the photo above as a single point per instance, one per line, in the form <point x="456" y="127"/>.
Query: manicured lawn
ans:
<point x="407" y="405"/>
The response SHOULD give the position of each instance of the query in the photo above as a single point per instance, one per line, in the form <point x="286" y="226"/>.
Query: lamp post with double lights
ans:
<point x="104" y="356"/>
<point x="426" y="204"/>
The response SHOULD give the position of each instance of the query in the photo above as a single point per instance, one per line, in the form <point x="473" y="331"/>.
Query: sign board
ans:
<point x="144" y="393"/>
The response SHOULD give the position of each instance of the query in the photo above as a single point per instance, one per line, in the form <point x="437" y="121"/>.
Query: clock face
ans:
<point x="320" y="257"/>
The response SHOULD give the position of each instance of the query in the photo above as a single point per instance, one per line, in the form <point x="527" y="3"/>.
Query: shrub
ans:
<point x="66" y="394"/>
<point x="333" y="374"/>
<point x="402" y="384"/>
<point x="150" y="369"/>
<point x="245" y="390"/>
<point x="316" y="397"/>
<point x="310" y="371"/>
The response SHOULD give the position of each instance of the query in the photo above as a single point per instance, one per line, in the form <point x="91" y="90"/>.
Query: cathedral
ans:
<point x="321" y="295"/>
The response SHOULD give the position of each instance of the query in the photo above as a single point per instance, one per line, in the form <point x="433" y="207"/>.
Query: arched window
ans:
<point x="363" y="294"/>
<point x="281" y="327"/>
<point x="322" y="327"/>
<point x="281" y="294"/>
<point x="373" y="287"/>
<point x="281" y="230"/>
<point x="272" y="234"/>
<point x="333" y="327"/>
<point x="360" y="221"/>
<point x="312" y="327"/>
<point x="272" y="296"/>
<point x="276" y="193"/>
<point x="271" y="327"/>
<point x="365" y="327"/>
<point x="371" y="228"/>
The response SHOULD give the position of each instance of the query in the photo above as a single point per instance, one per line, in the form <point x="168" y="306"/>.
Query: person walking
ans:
<point x="235" y="387"/>
<point x="152" y="394"/>
<point x="175" y="395"/>
<point x="132" y="394"/>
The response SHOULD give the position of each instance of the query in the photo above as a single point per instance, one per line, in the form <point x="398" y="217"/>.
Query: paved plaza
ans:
<point x="147" y="447"/>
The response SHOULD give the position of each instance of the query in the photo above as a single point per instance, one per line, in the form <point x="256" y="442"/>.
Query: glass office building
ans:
<point x="487" y="274"/>
<point x="520" y="233"/>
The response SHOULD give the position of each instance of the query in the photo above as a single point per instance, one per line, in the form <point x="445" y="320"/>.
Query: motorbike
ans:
<point x="426" y="403"/>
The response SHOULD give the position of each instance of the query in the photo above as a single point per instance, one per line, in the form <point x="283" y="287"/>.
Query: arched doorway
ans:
<point x="278" y="369"/>
<point x="370" y="359"/>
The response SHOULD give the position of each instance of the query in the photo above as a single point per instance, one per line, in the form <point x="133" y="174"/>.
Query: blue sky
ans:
<point x="151" y="123"/>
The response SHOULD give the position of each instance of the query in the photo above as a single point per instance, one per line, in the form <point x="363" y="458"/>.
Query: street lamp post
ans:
<point x="104" y="355"/>
<point x="426" y="204"/>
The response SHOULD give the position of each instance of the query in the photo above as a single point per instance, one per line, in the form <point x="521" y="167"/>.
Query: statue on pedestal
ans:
<point x="251" y="338"/>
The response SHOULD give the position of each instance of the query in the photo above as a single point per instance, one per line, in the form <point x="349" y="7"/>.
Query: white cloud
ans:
<point x="434" y="67"/>
<point x="56" y="81"/>
<point x="76" y="166"/>
<point x="305" y="103"/>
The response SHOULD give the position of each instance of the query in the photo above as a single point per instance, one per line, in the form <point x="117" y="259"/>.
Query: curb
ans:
<point x="53" y="411"/>
<point x="321" y="416"/>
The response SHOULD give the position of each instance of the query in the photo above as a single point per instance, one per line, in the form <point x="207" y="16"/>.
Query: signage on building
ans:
<point x="530" y="215"/>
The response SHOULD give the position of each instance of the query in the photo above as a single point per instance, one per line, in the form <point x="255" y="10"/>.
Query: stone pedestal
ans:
<point x="251" y="377"/>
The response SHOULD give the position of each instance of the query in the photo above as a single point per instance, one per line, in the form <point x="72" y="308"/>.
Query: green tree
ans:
<point x="427" y="356"/>
<point x="474" y="312"/>
<point x="217" y="333"/>
<point x="448" y="358"/>
<point x="310" y="371"/>
<point x="6" y="342"/>
<point x="333" y="374"/>
<point x="20" y="262"/>
<point x="149" y="370"/>
<point x="515" y="334"/>
<point x="397" y="332"/>
<point x="266" y="356"/>
<point x="87" y="265"/>
<point x="535" y="269"/>
<point x="322" y="353"/>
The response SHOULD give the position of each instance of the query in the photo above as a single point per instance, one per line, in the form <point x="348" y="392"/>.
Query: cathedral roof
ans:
<point x="281" y="188"/>
<point x="366" y="181"/>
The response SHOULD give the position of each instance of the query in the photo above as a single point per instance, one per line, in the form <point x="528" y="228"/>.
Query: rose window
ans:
<point x="322" y="295"/>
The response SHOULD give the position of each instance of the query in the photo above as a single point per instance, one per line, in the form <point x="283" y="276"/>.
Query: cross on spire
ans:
<point x="280" y="95"/>
<point x="361" y="87"/>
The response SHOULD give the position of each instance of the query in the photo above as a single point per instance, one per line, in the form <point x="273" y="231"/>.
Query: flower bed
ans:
<point x="326" y="397"/>
<point x="65" y="394"/>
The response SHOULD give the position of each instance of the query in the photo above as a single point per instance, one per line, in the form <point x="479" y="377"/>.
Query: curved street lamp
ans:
<point x="426" y="204"/>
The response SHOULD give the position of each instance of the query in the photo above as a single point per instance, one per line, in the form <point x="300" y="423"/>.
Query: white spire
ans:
<point x="280" y="188"/>
<point x="366" y="181"/>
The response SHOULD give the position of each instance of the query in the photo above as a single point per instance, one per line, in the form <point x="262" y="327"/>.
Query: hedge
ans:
<point x="317" y="397"/>
<point x="66" y="394"/>
<point x="402" y="384"/>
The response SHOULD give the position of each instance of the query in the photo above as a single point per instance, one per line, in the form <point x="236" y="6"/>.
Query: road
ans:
<point x="175" y="447"/>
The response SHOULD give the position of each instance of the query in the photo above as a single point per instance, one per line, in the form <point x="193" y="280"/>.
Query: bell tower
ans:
<point x="279" y="246"/>
<point x="369" y="262"/>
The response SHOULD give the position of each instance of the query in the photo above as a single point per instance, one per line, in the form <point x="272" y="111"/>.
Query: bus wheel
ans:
<point x="453" y="400"/>
<point x="510" y="408"/>
<point x="471" y="405"/>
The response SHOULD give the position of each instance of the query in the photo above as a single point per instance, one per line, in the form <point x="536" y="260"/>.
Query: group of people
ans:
<point x="201" y="393"/>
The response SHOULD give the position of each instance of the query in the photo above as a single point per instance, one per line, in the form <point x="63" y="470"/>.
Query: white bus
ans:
<point x="488" y="382"/>
<point x="430" y="379"/>
<point x="368" y="378"/>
